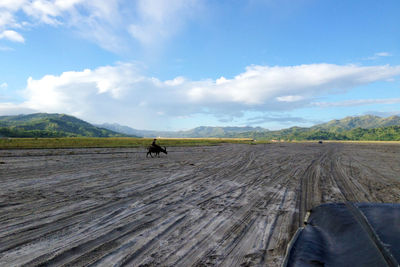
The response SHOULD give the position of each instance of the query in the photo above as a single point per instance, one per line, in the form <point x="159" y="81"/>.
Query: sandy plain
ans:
<point x="228" y="205"/>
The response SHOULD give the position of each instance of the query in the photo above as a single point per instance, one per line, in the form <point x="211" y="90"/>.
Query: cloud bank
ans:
<point x="122" y="93"/>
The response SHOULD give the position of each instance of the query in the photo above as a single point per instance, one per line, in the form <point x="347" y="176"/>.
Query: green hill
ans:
<point x="50" y="125"/>
<point x="366" y="128"/>
<point x="60" y="125"/>
<point x="364" y="122"/>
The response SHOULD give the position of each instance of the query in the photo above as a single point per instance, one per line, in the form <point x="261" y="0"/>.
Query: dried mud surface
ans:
<point x="229" y="205"/>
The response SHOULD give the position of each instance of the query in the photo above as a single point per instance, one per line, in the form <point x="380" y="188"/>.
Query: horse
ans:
<point x="156" y="150"/>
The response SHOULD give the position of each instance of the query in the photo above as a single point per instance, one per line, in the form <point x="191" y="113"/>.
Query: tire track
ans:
<point x="235" y="233"/>
<point x="306" y="191"/>
<point x="229" y="205"/>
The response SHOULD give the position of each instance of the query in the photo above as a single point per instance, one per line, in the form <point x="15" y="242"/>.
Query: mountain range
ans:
<point x="364" y="122"/>
<point x="366" y="127"/>
<point x="345" y="129"/>
<point x="198" y="132"/>
<point x="50" y="125"/>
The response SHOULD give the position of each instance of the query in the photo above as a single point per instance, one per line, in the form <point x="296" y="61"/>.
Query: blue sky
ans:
<point x="178" y="64"/>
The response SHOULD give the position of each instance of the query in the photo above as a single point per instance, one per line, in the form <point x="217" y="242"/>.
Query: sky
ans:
<point x="179" y="64"/>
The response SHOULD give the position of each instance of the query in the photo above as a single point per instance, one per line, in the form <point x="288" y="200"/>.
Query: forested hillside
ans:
<point x="50" y="125"/>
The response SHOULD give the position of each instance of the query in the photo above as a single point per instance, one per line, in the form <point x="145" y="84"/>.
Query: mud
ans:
<point x="230" y="205"/>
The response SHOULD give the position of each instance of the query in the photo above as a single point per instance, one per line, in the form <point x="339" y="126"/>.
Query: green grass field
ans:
<point x="87" y="142"/>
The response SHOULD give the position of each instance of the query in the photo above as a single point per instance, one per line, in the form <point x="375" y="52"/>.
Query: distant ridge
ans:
<point x="364" y="122"/>
<point x="198" y="132"/>
<point x="50" y="125"/>
<point x="131" y="131"/>
<point x="366" y="127"/>
<point x="343" y="129"/>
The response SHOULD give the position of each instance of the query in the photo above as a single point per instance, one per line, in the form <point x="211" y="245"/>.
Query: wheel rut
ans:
<point x="229" y="205"/>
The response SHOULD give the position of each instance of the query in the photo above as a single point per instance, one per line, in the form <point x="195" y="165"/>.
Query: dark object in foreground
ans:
<point x="319" y="142"/>
<point x="348" y="234"/>
<point x="156" y="150"/>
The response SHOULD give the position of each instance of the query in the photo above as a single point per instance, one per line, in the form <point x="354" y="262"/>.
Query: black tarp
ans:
<point x="348" y="234"/>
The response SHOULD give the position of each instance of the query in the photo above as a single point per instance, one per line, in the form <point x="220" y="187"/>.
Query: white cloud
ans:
<point x="121" y="93"/>
<point x="262" y="84"/>
<point x="382" y="113"/>
<point x="12" y="36"/>
<point x="15" y="109"/>
<point x="158" y="19"/>
<point x="290" y="98"/>
<point x="108" y="23"/>
<point x="97" y="20"/>
<point x="3" y="85"/>
<point x="383" y="54"/>
<point x="13" y="5"/>
<point x="378" y="55"/>
<point x="7" y="19"/>
<point x="6" y="48"/>
<point x="358" y="102"/>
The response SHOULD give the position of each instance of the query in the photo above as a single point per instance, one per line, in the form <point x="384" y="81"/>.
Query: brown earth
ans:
<point x="230" y="205"/>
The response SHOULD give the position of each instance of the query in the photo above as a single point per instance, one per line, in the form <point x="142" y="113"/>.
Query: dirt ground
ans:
<point x="229" y="205"/>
